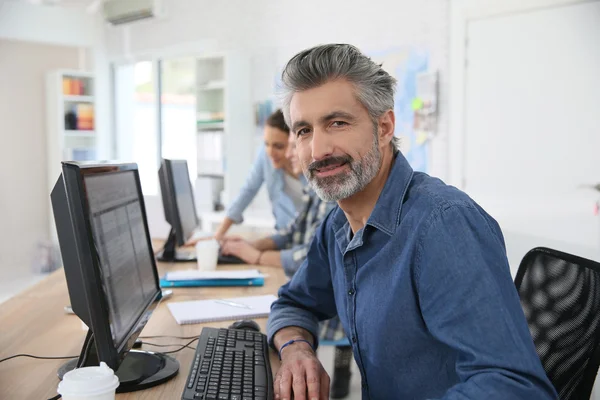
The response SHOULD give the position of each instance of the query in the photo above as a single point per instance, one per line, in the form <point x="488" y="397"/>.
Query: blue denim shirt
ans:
<point x="424" y="291"/>
<point x="262" y="171"/>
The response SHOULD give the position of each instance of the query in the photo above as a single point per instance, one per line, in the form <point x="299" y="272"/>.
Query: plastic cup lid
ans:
<point x="88" y="381"/>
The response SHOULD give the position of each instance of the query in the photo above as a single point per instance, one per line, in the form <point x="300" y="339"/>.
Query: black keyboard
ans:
<point x="230" y="364"/>
<point x="229" y="259"/>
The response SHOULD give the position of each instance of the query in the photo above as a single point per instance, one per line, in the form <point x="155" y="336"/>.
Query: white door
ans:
<point x="532" y="126"/>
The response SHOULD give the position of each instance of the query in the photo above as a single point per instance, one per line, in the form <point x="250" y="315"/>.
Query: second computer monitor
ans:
<point x="179" y="206"/>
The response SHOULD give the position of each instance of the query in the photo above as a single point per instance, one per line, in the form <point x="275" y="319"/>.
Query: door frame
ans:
<point x="463" y="12"/>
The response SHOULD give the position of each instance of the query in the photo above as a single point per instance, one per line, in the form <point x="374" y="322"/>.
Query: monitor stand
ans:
<point x="169" y="254"/>
<point x="138" y="370"/>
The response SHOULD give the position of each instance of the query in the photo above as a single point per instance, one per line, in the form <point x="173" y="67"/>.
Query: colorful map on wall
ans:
<point x="404" y="63"/>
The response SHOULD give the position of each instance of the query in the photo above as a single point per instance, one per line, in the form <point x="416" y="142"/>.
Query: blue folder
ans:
<point x="213" y="282"/>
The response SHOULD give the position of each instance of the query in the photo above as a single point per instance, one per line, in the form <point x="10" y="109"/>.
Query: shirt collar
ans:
<point x="386" y="214"/>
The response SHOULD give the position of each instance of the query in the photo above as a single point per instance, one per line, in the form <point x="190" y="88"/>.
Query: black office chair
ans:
<point x="560" y="295"/>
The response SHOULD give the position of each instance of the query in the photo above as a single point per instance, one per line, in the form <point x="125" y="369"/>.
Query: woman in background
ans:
<point x="271" y="167"/>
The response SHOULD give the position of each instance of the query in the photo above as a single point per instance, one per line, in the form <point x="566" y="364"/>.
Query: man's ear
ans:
<point x="385" y="126"/>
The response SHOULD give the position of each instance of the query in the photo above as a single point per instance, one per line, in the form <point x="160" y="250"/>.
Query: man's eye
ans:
<point x="302" y="131"/>
<point x="339" y="123"/>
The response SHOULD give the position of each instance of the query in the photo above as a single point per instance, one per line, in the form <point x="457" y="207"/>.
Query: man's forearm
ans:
<point x="293" y="333"/>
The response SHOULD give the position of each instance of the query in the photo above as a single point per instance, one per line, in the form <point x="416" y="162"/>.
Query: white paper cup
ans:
<point x="207" y="254"/>
<point x="89" y="383"/>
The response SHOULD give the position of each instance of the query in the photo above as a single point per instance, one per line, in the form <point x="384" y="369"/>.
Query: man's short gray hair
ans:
<point x="315" y="66"/>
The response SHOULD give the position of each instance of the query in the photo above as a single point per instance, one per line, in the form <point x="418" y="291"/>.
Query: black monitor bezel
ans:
<point x="108" y="351"/>
<point x="169" y="179"/>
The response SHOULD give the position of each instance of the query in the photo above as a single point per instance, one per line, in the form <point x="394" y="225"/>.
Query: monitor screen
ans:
<point x="125" y="259"/>
<point x="184" y="198"/>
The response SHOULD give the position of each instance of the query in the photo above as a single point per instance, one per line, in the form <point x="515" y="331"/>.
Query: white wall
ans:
<point x="24" y="196"/>
<point x="36" y="39"/>
<point x="20" y="20"/>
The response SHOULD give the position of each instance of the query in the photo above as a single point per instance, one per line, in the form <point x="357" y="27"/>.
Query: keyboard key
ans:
<point x="260" y="376"/>
<point x="211" y="396"/>
<point x="223" y="396"/>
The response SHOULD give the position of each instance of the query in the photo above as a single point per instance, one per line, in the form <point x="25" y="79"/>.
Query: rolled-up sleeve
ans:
<point x="253" y="183"/>
<point x="308" y="298"/>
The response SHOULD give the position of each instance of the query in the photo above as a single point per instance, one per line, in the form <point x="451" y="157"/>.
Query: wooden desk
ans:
<point x="34" y="322"/>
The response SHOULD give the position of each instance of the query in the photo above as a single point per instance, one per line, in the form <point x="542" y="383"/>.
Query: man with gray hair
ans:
<point x="415" y="269"/>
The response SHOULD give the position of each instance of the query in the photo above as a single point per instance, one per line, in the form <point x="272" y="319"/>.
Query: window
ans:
<point x="143" y="137"/>
<point x="136" y="120"/>
<point x="178" y="111"/>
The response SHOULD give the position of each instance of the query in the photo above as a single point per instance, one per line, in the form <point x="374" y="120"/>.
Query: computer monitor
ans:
<point x="179" y="208"/>
<point x="110" y="268"/>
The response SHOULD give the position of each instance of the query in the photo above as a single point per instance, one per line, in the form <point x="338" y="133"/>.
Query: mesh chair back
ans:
<point x="560" y="295"/>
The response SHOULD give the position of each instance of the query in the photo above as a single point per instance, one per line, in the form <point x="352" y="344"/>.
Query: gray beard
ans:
<point x="344" y="185"/>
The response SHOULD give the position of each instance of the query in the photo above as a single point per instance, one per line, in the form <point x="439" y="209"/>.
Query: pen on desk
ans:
<point x="232" y="303"/>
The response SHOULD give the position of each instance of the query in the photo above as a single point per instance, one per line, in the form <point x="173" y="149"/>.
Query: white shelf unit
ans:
<point x="65" y="140"/>
<point x="78" y="98"/>
<point x="225" y="127"/>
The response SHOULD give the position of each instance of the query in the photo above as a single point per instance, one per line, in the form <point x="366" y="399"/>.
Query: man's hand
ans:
<point x="301" y="374"/>
<point x="242" y="249"/>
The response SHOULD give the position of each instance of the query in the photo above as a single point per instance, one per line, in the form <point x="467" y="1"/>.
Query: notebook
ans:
<point x="196" y="312"/>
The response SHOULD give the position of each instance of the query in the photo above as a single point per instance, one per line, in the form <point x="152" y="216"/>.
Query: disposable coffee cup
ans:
<point x="89" y="383"/>
<point x="207" y="254"/>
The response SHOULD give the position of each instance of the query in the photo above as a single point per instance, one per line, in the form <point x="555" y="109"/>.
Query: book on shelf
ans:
<point x="80" y="116"/>
<point x="73" y="86"/>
